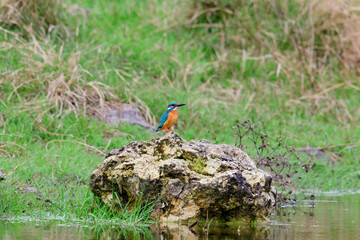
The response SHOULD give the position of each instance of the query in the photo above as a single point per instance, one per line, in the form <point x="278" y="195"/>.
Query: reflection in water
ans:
<point x="56" y="230"/>
<point x="216" y="231"/>
<point x="332" y="218"/>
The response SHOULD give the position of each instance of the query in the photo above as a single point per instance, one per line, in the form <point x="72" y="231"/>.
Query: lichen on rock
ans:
<point x="187" y="179"/>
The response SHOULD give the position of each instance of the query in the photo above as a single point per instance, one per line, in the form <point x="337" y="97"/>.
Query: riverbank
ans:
<point x="329" y="219"/>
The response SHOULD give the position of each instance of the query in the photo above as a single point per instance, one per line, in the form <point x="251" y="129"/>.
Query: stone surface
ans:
<point x="315" y="153"/>
<point x="2" y="176"/>
<point x="114" y="113"/>
<point x="189" y="180"/>
<point x="31" y="190"/>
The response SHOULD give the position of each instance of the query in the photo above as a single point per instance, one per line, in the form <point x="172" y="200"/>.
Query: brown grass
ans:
<point x="67" y="88"/>
<point x="322" y="30"/>
<point x="56" y="84"/>
<point x="308" y="44"/>
<point x="337" y="24"/>
<point x="38" y="17"/>
<point x="51" y="82"/>
<point x="10" y="149"/>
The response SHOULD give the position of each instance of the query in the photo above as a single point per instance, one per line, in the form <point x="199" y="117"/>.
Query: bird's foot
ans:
<point x="169" y="130"/>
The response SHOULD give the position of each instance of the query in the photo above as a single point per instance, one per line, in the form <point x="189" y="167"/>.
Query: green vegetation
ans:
<point x="198" y="166"/>
<point x="290" y="66"/>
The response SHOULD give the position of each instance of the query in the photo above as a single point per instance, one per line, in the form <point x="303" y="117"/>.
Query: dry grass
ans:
<point x="38" y="17"/>
<point x="337" y="24"/>
<point x="58" y="85"/>
<point x="237" y="31"/>
<point x="52" y="82"/>
<point x="45" y="70"/>
<point x="323" y="30"/>
<point x="11" y="149"/>
<point x="308" y="40"/>
<point x="49" y="81"/>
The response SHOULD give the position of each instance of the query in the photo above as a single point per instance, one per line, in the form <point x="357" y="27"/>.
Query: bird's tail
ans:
<point x="157" y="130"/>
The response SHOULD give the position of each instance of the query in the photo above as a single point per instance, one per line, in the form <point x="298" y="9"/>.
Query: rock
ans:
<point x="174" y="231"/>
<point x="31" y="190"/>
<point x="2" y="176"/>
<point x="114" y="113"/>
<point x="189" y="180"/>
<point x="315" y="153"/>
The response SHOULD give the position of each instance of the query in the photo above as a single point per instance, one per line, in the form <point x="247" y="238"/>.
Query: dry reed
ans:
<point x="308" y="40"/>
<point x="37" y="17"/>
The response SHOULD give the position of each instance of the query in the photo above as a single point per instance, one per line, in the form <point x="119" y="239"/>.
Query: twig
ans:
<point x="11" y="172"/>
<point x="194" y="224"/>
<point x="187" y="71"/>
<point x="15" y="144"/>
<point x="330" y="88"/>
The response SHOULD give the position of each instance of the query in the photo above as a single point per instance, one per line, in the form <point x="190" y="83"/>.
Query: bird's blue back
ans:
<point x="163" y="118"/>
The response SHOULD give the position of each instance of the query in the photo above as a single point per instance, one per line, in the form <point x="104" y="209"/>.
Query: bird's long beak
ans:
<point x="180" y="104"/>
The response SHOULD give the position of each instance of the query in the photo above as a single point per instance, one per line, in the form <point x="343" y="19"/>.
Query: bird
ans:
<point x="170" y="117"/>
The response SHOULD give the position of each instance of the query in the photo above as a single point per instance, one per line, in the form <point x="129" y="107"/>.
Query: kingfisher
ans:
<point x="170" y="117"/>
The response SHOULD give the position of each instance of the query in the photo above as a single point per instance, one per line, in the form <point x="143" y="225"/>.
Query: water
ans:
<point x="333" y="217"/>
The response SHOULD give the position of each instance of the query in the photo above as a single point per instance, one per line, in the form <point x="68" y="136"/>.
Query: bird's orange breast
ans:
<point x="172" y="119"/>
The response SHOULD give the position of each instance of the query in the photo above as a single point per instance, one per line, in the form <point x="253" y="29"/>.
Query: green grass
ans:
<point x="160" y="60"/>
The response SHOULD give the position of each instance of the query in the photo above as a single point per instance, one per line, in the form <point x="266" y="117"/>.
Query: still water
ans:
<point x="332" y="217"/>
